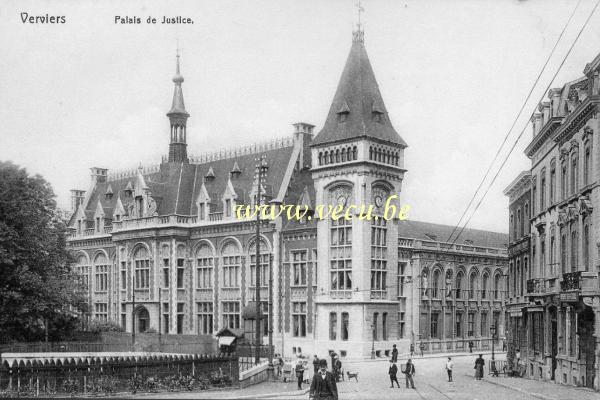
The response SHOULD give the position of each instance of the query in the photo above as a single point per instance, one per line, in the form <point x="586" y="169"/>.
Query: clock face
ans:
<point x="378" y="201"/>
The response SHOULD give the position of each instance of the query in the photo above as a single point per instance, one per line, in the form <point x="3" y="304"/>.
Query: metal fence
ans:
<point x="92" y="347"/>
<point x="111" y="375"/>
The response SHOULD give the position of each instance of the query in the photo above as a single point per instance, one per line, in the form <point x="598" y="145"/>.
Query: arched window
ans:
<point x="518" y="279"/>
<point x="370" y="152"/>
<point x="326" y="158"/>
<point x="100" y="273"/>
<point x="484" y="286"/>
<point x="459" y="279"/>
<point x="337" y="156"/>
<point x="497" y="287"/>
<point x="204" y="267"/>
<point x="436" y="284"/>
<point x="586" y="245"/>
<point x="472" y="285"/>
<point x="232" y="261"/>
<point x="563" y="252"/>
<point x="142" y="268"/>
<point x="574" y="173"/>
<point x="574" y="248"/>
<point x="320" y="158"/>
<point x="83" y="270"/>
<point x="343" y="155"/>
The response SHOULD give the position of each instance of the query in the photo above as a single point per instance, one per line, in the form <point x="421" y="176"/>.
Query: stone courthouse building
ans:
<point x="554" y="292"/>
<point x="168" y="234"/>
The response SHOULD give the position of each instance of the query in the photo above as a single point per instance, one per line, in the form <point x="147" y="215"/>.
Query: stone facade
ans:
<point x="558" y="333"/>
<point x="160" y="247"/>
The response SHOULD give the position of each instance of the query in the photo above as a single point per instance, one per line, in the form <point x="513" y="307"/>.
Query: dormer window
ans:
<point x="377" y="116"/>
<point x="210" y="175"/>
<point x="202" y="211"/>
<point x="109" y="193"/>
<point x="343" y="112"/>
<point x="228" y="208"/>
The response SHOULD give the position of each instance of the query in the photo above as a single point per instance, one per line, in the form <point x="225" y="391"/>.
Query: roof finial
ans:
<point x="358" y="36"/>
<point x="177" y="78"/>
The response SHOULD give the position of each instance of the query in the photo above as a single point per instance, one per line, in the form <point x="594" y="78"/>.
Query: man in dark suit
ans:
<point x="392" y="372"/>
<point x="323" y="386"/>
<point x="409" y="372"/>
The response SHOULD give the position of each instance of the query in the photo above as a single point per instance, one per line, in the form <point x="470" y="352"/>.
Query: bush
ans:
<point x="97" y="326"/>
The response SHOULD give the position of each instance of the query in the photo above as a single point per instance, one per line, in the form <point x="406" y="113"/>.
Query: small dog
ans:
<point x="352" y="375"/>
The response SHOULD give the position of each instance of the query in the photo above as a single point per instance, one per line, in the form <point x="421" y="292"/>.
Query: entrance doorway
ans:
<point x="553" y="340"/>
<point x="143" y="320"/>
<point x="587" y="344"/>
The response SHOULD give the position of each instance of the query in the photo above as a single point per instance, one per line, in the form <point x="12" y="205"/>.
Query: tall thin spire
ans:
<point x="178" y="119"/>
<point x="358" y="36"/>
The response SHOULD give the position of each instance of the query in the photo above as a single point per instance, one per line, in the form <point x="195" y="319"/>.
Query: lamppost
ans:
<point x="260" y="172"/>
<point x="372" y="341"/>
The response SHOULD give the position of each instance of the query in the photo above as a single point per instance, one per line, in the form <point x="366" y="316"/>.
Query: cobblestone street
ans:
<point x="430" y="381"/>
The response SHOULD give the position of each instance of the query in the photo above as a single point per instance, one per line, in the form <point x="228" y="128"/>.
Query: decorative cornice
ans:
<point x="547" y="130"/>
<point x="587" y="109"/>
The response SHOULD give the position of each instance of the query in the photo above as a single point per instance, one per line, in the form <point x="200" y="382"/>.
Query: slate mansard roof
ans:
<point x="176" y="186"/>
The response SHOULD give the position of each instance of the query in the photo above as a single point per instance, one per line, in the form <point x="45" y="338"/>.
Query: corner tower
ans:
<point x="178" y="120"/>
<point x="358" y="160"/>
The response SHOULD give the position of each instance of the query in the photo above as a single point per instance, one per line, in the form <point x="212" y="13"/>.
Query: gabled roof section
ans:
<point x="119" y="210"/>
<point x="203" y="196"/>
<point x="229" y="191"/>
<point x="358" y="96"/>
<point x="99" y="210"/>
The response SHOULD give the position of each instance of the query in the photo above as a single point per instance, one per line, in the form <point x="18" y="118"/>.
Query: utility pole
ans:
<point x="261" y="167"/>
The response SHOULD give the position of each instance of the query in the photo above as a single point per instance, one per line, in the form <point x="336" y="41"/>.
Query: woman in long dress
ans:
<point x="479" y="363"/>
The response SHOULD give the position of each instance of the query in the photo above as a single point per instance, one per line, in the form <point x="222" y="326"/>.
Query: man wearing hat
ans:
<point x="323" y="386"/>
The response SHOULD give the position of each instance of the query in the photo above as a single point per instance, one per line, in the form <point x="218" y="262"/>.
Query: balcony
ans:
<point x="536" y="286"/>
<point x="580" y="283"/>
<point x="571" y="281"/>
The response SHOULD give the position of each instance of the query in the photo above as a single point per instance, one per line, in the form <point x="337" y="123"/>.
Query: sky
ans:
<point x="453" y="76"/>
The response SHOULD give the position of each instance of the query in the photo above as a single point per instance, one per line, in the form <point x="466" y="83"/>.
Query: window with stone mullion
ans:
<point x="341" y="255"/>
<point x="378" y="258"/>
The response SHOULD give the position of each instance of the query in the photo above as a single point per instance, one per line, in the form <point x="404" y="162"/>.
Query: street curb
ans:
<point x="269" y="395"/>
<point x="536" y="395"/>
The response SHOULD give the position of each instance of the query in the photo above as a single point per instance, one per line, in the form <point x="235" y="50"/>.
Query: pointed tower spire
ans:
<point x="178" y="120"/>
<point x="357" y="109"/>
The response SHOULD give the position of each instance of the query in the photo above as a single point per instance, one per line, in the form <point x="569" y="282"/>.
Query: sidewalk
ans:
<point x="403" y="356"/>
<point x="543" y="390"/>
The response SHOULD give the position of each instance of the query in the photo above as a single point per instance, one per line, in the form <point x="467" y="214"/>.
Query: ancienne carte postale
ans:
<point x="127" y="19"/>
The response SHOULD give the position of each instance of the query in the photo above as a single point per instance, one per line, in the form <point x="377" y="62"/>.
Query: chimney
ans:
<point x="303" y="133"/>
<point x="554" y="95"/>
<point x="77" y="197"/>
<point x="536" y="120"/>
<point x="99" y="175"/>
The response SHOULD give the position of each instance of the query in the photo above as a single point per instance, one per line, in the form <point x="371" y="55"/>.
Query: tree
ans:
<point x="38" y="289"/>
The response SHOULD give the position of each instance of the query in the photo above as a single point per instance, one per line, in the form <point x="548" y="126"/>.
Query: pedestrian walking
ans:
<point x="394" y="354"/>
<point x="315" y="364"/>
<point x="323" y="386"/>
<point x="412" y="350"/>
<point x="422" y="347"/>
<point x="409" y="372"/>
<point x="479" y="363"/>
<point x="449" y="368"/>
<point x="299" y="373"/>
<point x="393" y="371"/>
<point x="337" y="369"/>
<point x="470" y="346"/>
